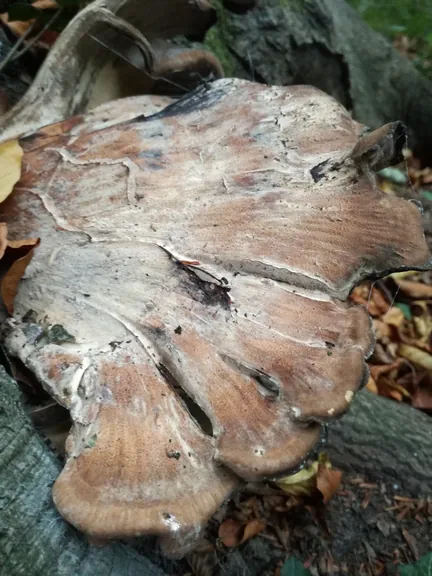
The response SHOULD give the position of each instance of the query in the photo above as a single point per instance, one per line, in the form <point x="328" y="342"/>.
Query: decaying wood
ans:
<point x="201" y="256"/>
<point x="79" y="69"/>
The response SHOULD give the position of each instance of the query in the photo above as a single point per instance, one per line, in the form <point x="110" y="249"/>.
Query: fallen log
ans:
<point x="326" y="44"/>
<point x="34" y="539"/>
<point x="384" y="440"/>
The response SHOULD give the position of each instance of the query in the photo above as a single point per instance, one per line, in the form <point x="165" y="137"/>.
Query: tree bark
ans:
<point x="326" y="44"/>
<point x="34" y="539"/>
<point x="384" y="440"/>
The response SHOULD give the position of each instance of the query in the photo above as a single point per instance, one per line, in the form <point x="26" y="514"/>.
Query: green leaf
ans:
<point x="426" y="193"/>
<point x="293" y="567"/>
<point x="406" y="310"/>
<point x="22" y="11"/>
<point x="421" y="568"/>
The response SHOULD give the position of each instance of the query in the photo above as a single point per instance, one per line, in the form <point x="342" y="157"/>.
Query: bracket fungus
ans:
<point x="200" y="257"/>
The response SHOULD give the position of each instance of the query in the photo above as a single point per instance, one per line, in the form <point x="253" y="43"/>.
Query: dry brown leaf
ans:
<point x="229" y="533"/>
<point x="3" y="238"/>
<point x="45" y="4"/>
<point x="382" y="330"/>
<point x="401" y="389"/>
<point x="252" y="528"/>
<point x="423" y="326"/>
<point x="417" y="290"/>
<point x="422" y="399"/>
<point x="10" y="281"/>
<point x="363" y="295"/>
<point x="18" y="27"/>
<point x="395" y="395"/>
<point x="328" y="481"/>
<point x="318" y="476"/>
<point x="379" y="300"/>
<point x="379" y="370"/>
<point x="416" y="356"/>
<point x="11" y="155"/>
<point x="383" y="355"/>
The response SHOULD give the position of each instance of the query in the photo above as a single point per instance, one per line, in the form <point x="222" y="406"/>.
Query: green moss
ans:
<point x="216" y="40"/>
<point x="91" y="442"/>
<point x="215" y="43"/>
<point x="411" y="19"/>
<point x="58" y="335"/>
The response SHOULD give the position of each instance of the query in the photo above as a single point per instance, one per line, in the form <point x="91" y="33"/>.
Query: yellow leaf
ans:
<point x="397" y="276"/>
<point x="386" y="186"/>
<point x="371" y="386"/>
<point x="11" y="155"/>
<point x="415" y="356"/>
<point x="301" y="484"/>
<point x="394" y="317"/>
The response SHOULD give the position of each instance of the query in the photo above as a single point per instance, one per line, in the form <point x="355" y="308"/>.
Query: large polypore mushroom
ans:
<point x="198" y="260"/>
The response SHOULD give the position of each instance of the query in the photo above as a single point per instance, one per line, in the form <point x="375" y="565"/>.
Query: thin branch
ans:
<point x="16" y="46"/>
<point x="40" y="34"/>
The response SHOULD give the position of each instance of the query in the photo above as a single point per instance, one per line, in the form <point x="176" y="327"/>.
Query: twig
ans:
<point x="16" y="46"/>
<point x="39" y="34"/>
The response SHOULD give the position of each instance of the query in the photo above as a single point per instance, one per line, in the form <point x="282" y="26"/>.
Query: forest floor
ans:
<point x="366" y="529"/>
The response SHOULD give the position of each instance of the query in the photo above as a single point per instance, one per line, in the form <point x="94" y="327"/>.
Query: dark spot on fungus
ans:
<point x="173" y="454"/>
<point x="178" y="330"/>
<point x="318" y="171"/>
<point x="200" y="99"/>
<point x="58" y="335"/>
<point x="30" y="316"/>
<point x="196" y="412"/>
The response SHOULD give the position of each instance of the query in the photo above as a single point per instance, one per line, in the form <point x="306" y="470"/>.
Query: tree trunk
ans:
<point x="326" y="44"/>
<point x="384" y="440"/>
<point x="34" y="539"/>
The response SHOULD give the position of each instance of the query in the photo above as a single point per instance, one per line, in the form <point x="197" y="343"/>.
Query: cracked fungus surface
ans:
<point x="200" y="257"/>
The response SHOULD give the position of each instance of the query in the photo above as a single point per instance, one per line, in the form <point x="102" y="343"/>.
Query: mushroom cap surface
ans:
<point x="200" y="257"/>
